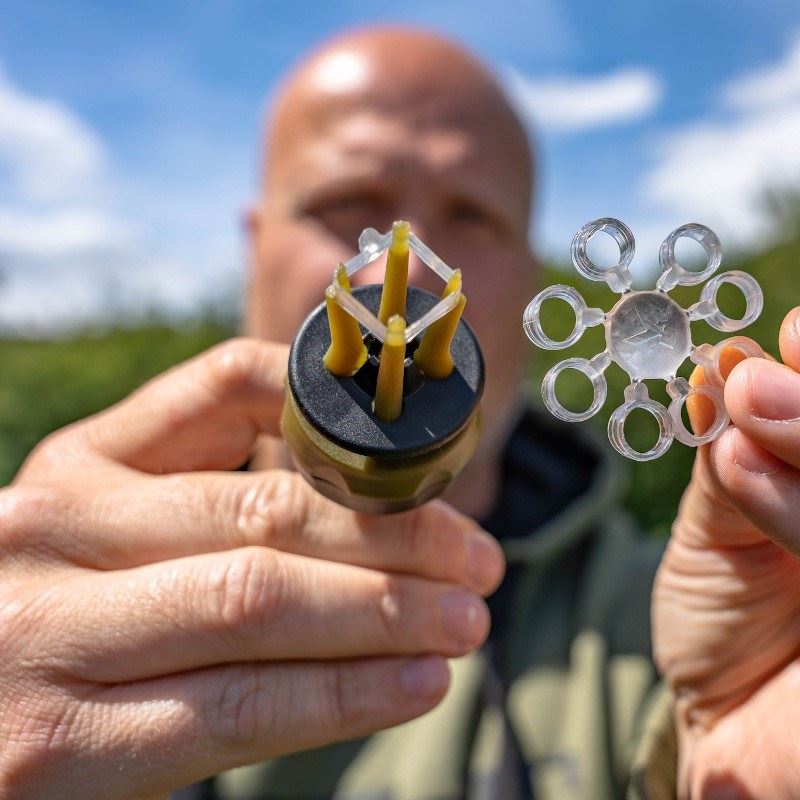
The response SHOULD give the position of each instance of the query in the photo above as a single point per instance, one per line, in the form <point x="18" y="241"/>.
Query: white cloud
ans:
<point x="60" y="233"/>
<point x="568" y="103"/>
<point x="47" y="150"/>
<point x="56" y="297"/>
<point x="56" y="169"/>
<point x="716" y="171"/>
<point x="770" y="86"/>
<point x="59" y="246"/>
<point x="68" y="253"/>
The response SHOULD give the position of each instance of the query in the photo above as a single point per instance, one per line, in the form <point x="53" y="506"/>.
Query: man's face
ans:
<point x="347" y="163"/>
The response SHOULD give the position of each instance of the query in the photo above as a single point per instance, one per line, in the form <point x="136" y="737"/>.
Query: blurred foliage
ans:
<point x="48" y="384"/>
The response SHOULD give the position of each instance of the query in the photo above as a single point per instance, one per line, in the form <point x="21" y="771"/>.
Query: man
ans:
<point x="150" y="638"/>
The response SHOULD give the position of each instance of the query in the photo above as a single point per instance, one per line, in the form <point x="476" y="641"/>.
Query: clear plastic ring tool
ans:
<point x="648" y="334"/>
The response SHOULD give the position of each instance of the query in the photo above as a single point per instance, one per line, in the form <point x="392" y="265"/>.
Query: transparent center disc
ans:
<point x="648" y="335"/>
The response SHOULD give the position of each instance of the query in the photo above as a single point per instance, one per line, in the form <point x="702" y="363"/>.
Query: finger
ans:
<point x="192" y="513"/>
<point x="764" y="488"/>
<point x="257" y="604"/>
<point x="166" y="733"/>
<point x="204" y="414"/>
<point x="702" y="412"/>
<point x="789" y="339"/>
<point x="763" y="399"/>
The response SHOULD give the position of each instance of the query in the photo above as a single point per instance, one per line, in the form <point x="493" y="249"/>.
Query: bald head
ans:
<point x="388" y="124"/>
<point x="428" y="82"/>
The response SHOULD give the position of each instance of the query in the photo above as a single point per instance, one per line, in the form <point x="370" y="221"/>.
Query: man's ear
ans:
<point x="252" y="222"/>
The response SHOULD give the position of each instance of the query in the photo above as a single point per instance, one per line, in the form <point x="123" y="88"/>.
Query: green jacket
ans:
<point x="564" y="703"/>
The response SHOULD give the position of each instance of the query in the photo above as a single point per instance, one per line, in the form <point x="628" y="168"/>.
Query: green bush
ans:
<point x="48" y="384"/>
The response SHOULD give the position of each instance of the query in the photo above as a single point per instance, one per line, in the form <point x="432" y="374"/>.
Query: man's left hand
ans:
<point x="726" y="605"/>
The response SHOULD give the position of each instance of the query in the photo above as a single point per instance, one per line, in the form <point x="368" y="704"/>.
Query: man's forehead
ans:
<point x="419" y="82"/>
<point x="375" y="139"/>
<point x="366" y="147"/>
<point x="351" y="135"/>
<point x="339" y="72"/>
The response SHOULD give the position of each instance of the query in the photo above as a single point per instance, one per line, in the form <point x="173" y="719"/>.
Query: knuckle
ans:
<point x="417" y="530"/>
<point x="432" y="544"/>
<point x="249" y="591"/>
<point x="59" y="451"/>
<point x="231" y="366"/>
<point x="445" y="542"/>
<point x="37" y="732"/>
<point x="16" y="513"/>
<point x="339" y="688"/>
<point x="20" y="623"/>
<point x="272" y="510"/>
<point x="29" y="516"/>
<point x="241" y="710"/>
<point x="47" y="454"/>
<point x="391" y="602"/>
<point x="316" y="702"/>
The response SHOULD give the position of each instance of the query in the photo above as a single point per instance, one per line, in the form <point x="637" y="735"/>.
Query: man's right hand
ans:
<point x="162" y="619"/>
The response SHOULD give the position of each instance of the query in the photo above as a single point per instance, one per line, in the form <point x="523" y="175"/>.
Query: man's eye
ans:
<point x="361" y="203"/>
<point x="466" y="213"/>
<point x="347" y="215"/>
<point x="346" y="204"/>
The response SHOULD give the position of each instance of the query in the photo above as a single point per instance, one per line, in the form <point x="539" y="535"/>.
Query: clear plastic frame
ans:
<point x="649" y="335"/>
<point x="372" y="245"/>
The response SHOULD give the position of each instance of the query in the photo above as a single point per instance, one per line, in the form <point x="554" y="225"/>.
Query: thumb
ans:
<point x="205" y="414"/>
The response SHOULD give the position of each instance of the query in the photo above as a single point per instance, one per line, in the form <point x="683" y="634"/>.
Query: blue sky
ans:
<point x="128" y="131"/>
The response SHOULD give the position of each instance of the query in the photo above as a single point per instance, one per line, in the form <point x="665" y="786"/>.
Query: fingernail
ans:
<point x="484" y="561"/>
<point x="794" y="321"/>
<point x="775" y="392"/>
<point x="464" y="617"/>
<point x="755" y="459"/>
<point x="425" y="677"/>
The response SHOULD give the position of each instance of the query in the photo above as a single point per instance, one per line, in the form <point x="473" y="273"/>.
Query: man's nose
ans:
<point x="419" y="274"/>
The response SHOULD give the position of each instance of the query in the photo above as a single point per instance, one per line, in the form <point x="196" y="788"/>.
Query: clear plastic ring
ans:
<point x="749" y="287"/>
<point x="672" y="273"/>
<point x="591" y="372"/>
<point x="636" y="397"/>
<point x="681" y="391"/>
<point x="708" y="355"/>
<point x="532" y="323"/>
<point x="618" y="276"/>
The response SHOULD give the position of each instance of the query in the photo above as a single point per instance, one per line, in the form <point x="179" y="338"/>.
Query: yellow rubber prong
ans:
<point x="347" y="352"/>
<point x="340" y="277"/>
<point x="433" y="354"/>
<point x="389" y="391"/>
<point x="395" y="281"/>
